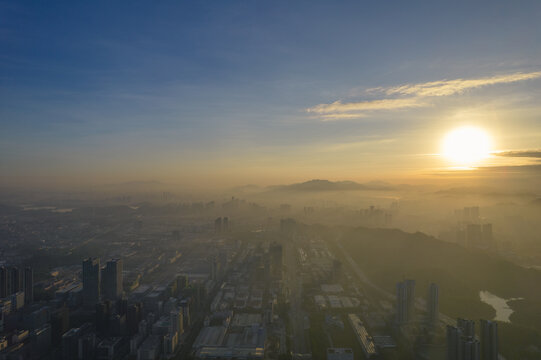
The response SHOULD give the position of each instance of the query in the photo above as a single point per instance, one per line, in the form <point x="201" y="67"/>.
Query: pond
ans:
<point x="503" y="311"/>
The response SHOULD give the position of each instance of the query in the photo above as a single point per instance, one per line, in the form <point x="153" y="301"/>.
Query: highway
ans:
<point x="293" y="283"/>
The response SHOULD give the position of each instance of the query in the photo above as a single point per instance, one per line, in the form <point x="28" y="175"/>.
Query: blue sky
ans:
<point x="185" y="90"/>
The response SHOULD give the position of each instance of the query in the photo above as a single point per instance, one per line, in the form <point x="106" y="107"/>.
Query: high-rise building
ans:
<point x="473" y="235"/>
<point x="176" y="322"/>
<point x="91" y="281"/>
<point x="133" y="317"/>
<point x="471" y="349"/>
<point x="28" y="285"/>
<point x="103" y="317"/>
<point x="467" y="327"/>
<point x="185" y="306"/>
<point x="218" y="225"/>
<point x="70" y="344"/>
<point x="489" y="340"/>
<point x="454" y="343"/>
<point x="15" y="280"/>
<point x="4" y="281"/>
<point x="214" y="268"/>
<point x="405" y="301"/>
<point x="112" y="279"/>
<point x="432" y="304"/>
<point x="460" y="346"/>
<point x="225" y="224"/>
<point x="486" y="235"/>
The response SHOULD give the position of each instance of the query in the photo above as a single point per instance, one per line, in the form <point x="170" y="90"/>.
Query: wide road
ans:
<point x="293" y="283"/>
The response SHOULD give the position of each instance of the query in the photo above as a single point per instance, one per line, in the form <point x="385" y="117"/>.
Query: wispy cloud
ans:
<point x="351" y="107"/>
<point x="520" y="153"/>
<point x="410" y="96"/>
<point x="340" y="116"/>
<point x="457" y="86"/>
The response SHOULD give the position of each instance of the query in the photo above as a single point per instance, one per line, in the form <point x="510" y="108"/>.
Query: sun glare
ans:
<point x="466" y="146"/>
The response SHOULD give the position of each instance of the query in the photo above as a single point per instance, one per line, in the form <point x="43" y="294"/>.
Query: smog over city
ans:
<point x="270" y="180"/>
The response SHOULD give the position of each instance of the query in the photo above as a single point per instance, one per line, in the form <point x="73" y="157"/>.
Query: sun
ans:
<point x="466" y="146"/>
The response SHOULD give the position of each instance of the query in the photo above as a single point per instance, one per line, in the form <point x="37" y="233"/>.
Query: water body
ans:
<point x="48" y="208"/>
<point x="503" y="311"/>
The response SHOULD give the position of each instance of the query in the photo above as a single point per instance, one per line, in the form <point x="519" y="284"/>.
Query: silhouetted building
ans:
<point x="4" y="281"/>
<point x="103" y="316"/>
<point x="185" y="306"/>
<point x="467" y="327"/>
<point x="91" y="281"/>
<point x="225" y="224"/>
<point x="70" y="344"/>
<point x="473" y="235"/>
<point x="461" y="346"/>
<point x="433" y="304"/>
<point x="28" y="285"/>
<point x="133" y="317"/>
<point x="486" y="235"/>
<point x="454" y="343"/>
<point x="176" y="322"/>
<point x="112" y="279"/>
<point x="15" y="280"/>
<point x="214" y="268"/>
<point x="405" y="301"/>
<point x="489" y="340"/>
<point x="218" y="225"/>
<point x="60" y="321"/>
<point x="471" y="349"/>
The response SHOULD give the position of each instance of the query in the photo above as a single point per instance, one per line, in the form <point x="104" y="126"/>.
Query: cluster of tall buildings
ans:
<point x="100" y="282"/>
<point x="15" y="280"/>
<point x="373" y="216"/>
<point x="462" y="344"/>
<point x="221" y="225"/>
<point x="471" y="230"/>
<point x="405" y="303"/>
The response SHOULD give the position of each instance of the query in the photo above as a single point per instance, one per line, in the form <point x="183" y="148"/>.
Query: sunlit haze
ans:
<point x="466" y="146"/>
<point x="270" y="180"/>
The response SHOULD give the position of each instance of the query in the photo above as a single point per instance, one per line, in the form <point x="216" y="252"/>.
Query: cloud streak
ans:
<point x="457" y="86"/>
<point x="338" y="107"/>
<point x="410" y="96"/>
<point x="520" y="153"/>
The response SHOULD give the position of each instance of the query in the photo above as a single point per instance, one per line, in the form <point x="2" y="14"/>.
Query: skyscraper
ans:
<point x="454" y="343"/>
<point x="432" y="304"/>
<point x="218" y="225"/>
<point x="461" y="346"/>
<point x="112" y="279"/>
<point x="15" y="280"/>
<point x="467" y="327"/>
<point x="4" y="281"/>
<point x="176" y="322"/>
<point x="225" y="224"/>
<point x="471" y="349"/>
<point x="28" y="285"/>
<point x="489" y="340"/>
<point x="214" y="268"/>
<point x="405" y="301"/>
<point x="91" y="281"/>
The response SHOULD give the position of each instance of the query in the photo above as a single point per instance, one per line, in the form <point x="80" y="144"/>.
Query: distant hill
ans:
<point x="326" y="185"/>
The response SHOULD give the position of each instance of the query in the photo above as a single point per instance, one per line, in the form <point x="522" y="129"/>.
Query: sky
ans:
<point x="266" y="92"/>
